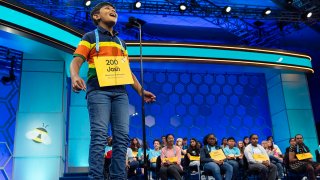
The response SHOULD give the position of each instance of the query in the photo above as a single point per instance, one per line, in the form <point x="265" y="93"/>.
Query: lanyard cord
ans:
<point x="97" y="41"/>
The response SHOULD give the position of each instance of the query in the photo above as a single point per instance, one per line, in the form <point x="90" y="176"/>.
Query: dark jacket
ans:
<point x="205" y="154"/>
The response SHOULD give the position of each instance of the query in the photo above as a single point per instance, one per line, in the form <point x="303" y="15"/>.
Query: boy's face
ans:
<point x="231" y="143"/>
<point x="107" y="15"/>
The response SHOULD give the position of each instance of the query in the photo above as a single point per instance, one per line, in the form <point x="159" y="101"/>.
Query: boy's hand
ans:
<point x="78" y="84"/>
<point x="149" y="97"/>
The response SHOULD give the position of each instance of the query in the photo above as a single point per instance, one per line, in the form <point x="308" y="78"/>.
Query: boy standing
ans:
<point x="107" y="98"/>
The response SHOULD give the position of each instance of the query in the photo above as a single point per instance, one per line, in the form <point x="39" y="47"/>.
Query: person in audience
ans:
<point x="199" y="144"/>
<point x="270" y="138"/>
<point x="264" y="144"/>
<point x="224" y="143"/>
<point x="211" y="165"/>
<point x="194" y="151"/>
<point x="275" y="158"/>
<point x="171" y="166"/>
<point x="154" y="153"/>
<point x="135" y="145"/>
<point x="185" y="143"/>
<point x="258" y="160"/>
<point x="292" y="142"/>
<point x="303" y="165"/>
<point x="179" y="144"/>
<point x="233" y="155"/>
<point x="241" y="147"/>
<point x="246" y="141"/>
<point x="131" y="163"/>
<point x="140" y="155"/>
<point x="163" y="141"/>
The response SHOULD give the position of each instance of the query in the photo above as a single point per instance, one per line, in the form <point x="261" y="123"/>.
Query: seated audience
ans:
<point x="275" y="158"/>
<point x="224" y="143"/>
<point x="185" y="143"/>
<point x="135" y="145"/>
<point x="154" y="153"/>
<point x="278" y="151"/>
<point x="170" y="160"/>
<point x="300" y="159"/>
<point x="246" y="141"/>
<point x="211" y="165"/>
<point x="258" y="160"/>
<point x="233" y="155"/>
<point x="193" y="152"/>
<point x="131" y="163"/>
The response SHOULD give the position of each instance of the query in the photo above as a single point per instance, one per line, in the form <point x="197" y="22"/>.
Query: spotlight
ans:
<point x="266" y="11"/>
<point x="289" y="1"/>
<point x="137" y="5"/>
<point x="306" y="15"/>
<point x="227" y="9"/>
<point x="87" y="3"/>
<point x="183" y="7"/>
<point x="309" y="14"/>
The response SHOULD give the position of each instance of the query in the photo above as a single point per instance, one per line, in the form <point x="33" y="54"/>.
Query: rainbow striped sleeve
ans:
<point x="83" y="48"/>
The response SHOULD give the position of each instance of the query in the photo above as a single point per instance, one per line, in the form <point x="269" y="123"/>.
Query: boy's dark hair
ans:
<point x="96" y="10"/>
<point x="252" y="135"/>
<point x="157" y="141"/>
<point x="231" y="138"/>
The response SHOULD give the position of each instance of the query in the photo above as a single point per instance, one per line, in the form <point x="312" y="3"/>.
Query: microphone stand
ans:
<point x="144" y="139"/>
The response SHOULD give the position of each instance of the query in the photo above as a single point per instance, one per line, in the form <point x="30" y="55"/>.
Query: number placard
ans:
<point x="113" y="70"/>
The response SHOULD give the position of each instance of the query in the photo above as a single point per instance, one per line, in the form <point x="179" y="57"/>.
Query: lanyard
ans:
<point x="97" y="40"/>
<point x="257" y="147"/>
<point x="210" y="148"/>
<point x="298" y="150"/>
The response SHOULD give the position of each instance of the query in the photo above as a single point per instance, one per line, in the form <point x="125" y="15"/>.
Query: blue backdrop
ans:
<point x="192" y="104"/>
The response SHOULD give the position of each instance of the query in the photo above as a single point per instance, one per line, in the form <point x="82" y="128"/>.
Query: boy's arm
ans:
<point x="77" y="82"/>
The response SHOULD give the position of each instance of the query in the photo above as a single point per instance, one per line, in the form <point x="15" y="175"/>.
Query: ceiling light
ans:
<point x="227" y="9"/>
<point x="183" y="7"/>
<point x="87" y="3"/>
<point x="266" y="11"/>
<point x="138" y="5"/>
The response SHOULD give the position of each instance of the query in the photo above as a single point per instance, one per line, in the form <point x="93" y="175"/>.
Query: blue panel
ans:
<point x="47" y="66"/>
<point x="313" y="144"/>
<point x="296" y="95"/>
<point x="276" y="99"/>
<point x="302" y="122"/>
<point x="78" y="99"/>
<point x="274" y="81"/>
<point x="280" y="126"/>
<point x="282" y="144"/>
<point x="45" y="90"/>
<point x="37" y="25"/>
<point x="296" y="77"/>
<point x="8" y="106"/>
<point x="52" y="142"/>
<point x="221" y="54"/>
<point x="79" y="123"/>
<point x="37" y="168"/>
<point x="78" y="153"/>
<point x="198" y="111"/>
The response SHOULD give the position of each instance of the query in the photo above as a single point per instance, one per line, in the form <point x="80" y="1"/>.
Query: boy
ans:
<point x="107" y="98"/>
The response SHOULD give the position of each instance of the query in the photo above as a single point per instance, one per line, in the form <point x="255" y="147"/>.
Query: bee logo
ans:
<point x="39" y="135"/>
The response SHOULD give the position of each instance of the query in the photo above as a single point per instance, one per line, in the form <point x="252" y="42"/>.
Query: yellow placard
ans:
<point x="153" y="160"/>
<point x="260" y="157"/>
<point x="194" y="158"/>
<point x="171" y="159"/>
<point x="304" y="156"/>
<point x="217" y="155"/>
<point x="113" y="70"/>
<point x="134" y="153"/>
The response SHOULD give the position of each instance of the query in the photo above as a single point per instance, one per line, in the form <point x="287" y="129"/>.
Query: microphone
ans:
<point x="134" y="22"/>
